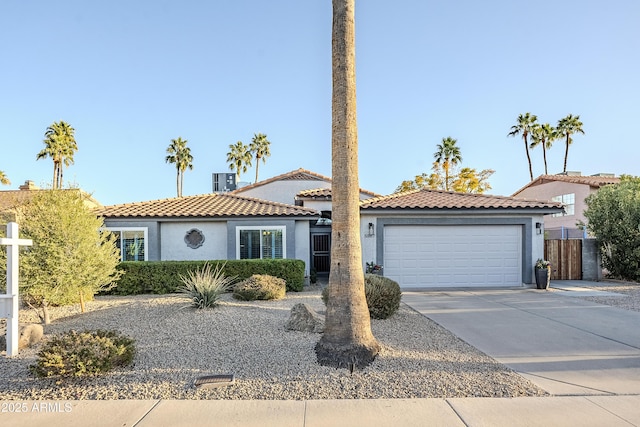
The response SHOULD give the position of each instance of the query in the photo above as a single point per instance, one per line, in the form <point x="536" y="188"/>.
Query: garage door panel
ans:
<point x="447" y="256"/>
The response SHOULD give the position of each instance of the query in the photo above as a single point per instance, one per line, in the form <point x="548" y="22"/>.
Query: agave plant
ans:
<point x="204" y="287"/>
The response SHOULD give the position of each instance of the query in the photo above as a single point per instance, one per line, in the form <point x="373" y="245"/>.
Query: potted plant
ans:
<point x="373" y="268"/>
<point x="543" y="273"/>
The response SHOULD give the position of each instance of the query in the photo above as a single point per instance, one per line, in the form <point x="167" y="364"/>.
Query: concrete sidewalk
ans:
<point x="581" y="411"/>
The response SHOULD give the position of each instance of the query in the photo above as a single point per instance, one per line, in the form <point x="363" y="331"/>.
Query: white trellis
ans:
<point x="9" y="301"/>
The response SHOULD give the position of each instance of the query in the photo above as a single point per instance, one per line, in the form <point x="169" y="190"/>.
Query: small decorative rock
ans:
<point x="27" y="336"/>
<point x="304" y="318"/>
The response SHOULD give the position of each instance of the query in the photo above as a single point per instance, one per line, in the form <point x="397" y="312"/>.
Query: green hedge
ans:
<point x="163" y="277"/>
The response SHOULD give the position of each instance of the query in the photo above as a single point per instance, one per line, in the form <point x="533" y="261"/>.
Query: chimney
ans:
<point x="28" y="185"/>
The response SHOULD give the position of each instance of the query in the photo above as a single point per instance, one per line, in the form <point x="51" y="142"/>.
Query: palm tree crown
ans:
<point x="543" y="135"/>
<point x="523" y="127"/>
<point x="60" y="146"/>
<point x="448" y="155"/>
<point x="180" y="154"/>
<point x="239" y="158"/>
<point x="260" y="148"/>
<point x="567" y="127"/>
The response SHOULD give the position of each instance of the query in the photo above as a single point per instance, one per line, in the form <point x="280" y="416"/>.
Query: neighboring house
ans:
<point x="11" y="199"/>
<point x="422" y="238"/>
<point x="570" y="189"/>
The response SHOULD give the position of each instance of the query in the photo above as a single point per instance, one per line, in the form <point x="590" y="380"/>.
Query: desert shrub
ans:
<point x="76" y="354"/>
<point x="613" y="215"/>
<point x="260" y="287"/>
<point x="163" y="277"/>
<point x="383" y="296"/>
<point x="205" y="286"/>
<point x="72" y="256"/>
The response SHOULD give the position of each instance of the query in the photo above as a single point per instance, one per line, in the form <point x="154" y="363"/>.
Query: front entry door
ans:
<point x="321" y="252"/>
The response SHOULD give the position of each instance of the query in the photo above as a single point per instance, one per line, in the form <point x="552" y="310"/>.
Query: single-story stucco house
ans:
<point x="421" y="238"/>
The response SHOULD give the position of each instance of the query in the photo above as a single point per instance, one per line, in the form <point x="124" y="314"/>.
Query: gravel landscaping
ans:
<point x="248" y="339"/>
<point x="631" y="292"/>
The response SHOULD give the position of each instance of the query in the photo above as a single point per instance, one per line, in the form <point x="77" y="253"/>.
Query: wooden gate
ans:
<point x="565" y="257"/>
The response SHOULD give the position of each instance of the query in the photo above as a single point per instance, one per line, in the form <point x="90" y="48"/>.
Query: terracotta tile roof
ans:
<point x="12" y="198"/>
<point x="316" y="193"/>
<point x="435" y="199"/>
<point x="296" y="175"/>
<point x="592" y="181"/>
<point x="203" y="206"/>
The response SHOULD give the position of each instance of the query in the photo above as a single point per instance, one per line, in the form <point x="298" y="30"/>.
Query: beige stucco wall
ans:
<point x="551" y="189"/>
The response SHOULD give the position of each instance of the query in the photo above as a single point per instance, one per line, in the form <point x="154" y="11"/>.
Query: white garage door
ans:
<point x="453" y="255"/>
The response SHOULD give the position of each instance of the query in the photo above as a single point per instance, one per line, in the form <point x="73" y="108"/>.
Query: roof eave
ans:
<point x="462" y="211"/>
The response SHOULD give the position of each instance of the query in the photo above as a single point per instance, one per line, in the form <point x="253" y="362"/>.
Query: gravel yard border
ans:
<point x="176" y="345"/>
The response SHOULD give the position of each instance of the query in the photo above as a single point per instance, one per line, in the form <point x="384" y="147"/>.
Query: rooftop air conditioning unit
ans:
<point x="223" y="182"/>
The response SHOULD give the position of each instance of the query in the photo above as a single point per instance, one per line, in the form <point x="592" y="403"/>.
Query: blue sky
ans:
<point x="131" y="75"/>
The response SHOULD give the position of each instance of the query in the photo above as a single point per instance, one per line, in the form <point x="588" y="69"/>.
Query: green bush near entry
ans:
<point x="163" y="277"/>
<point x="260" y="287"/>
<point x="383" y="296"/>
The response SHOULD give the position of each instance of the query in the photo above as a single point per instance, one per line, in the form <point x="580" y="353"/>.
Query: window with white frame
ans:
<point x="132" y="243"/>
<point x="569" y="202"/>
<point x="260" y="242"/>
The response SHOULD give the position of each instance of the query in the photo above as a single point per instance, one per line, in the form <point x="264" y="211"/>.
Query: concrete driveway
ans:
<point x="567" y="346"/>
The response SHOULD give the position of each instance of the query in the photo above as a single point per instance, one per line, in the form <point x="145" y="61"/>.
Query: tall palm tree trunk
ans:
<point x="526" y="148"/>
<point x="544" y="156"/>
<point x="566" y="153"/>
<point x="181" y="181"/>
<point x="55" y="175"/>
<point x="60" y="170"/>
<point x="445" y="166"/>
<point x="347" y="340"/>
<point x="257" y="166"/>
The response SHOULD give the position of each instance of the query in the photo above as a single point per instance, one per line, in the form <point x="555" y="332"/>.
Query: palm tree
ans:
<point x="3" y="179"/>
<point x="543" y="135"/>
<point x="180" y="154"/>
<point x="448" y="155"/>
<point x="260" y="148"/>
<point x="239" y="158"/>
<point x="567" y="127"/>
<point x="60" y="146"/>
<point x="347" y="341"/>
<point x="524" y="125"/>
